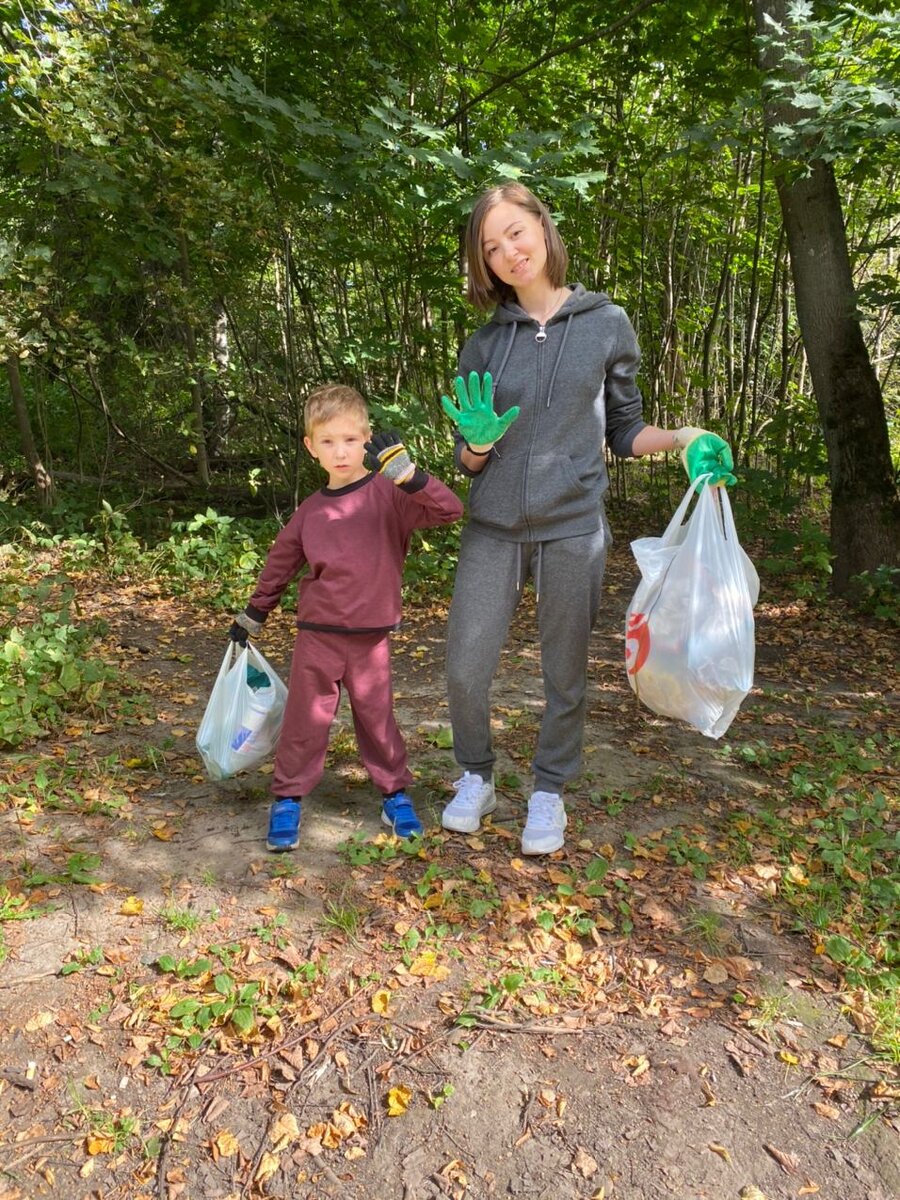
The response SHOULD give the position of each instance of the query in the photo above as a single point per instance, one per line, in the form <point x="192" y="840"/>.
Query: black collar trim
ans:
<point x="350" y="487"/>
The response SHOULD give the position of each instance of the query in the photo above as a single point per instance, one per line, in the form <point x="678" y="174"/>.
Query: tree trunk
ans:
<point x="865" y="506"/>
<point x="865" y="510"/>
<point x="223" y="405"/>
<point x="196" y="387"/>
<point x="43" y="480"/>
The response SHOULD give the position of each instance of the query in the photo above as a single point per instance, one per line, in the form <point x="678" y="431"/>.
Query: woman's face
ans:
<point x="513" y="245"/>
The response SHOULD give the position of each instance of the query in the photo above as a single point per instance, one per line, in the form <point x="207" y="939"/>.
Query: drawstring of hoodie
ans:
<point x="559" y="354"/>
<point x="506" y="352"/>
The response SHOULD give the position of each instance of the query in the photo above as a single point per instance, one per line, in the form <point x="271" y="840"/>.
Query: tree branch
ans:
<point x="565" y="48"/>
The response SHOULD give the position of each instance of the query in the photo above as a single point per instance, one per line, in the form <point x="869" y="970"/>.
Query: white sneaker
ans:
<point x="474" y="799"/>
<point x="544" y="830"/>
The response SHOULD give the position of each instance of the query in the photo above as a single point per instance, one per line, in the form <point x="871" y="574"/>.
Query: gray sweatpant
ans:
<point x="568" y="576"/>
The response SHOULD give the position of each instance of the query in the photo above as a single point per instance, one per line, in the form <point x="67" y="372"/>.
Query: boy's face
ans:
<point x="339" y="446"/>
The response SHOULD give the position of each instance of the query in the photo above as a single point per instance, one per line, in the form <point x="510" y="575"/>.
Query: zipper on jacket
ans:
<point x="531" y="440"/>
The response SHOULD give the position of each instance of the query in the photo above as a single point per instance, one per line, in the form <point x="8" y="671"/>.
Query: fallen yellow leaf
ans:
<point x="797" y="875"/>
<point x="720" y="1150"/>
<point x="268" y="1165"/>
<point x="131" y="907"/>
<point x="426" y="966"/>
<point x="100" y="1143"/>
<point x="224" y="1144"/>
<point x="284" y="1131"/>
<point x="39" y="1021"/>
<point x="381" y="1001"/>
<point x="398" y="1099"/>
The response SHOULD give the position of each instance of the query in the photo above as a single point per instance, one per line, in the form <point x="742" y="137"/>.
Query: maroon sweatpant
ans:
<point x="321" y="663"/>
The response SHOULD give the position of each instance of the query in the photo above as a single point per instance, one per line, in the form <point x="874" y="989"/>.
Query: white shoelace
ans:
<point x="467" y="791"/>
<point x="544" y="812"/>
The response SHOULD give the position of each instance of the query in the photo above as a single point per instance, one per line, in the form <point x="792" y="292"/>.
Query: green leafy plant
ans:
<point x="214" y="999"/>
<point x="878" y="592"/>
<point x="82" y="959"/>
<point x="46" y="668"/>
<point x="213" y="552"/>
<point x="80" y="868"/>
<point x="359" y="852"/>
<point x="804" y="556"/>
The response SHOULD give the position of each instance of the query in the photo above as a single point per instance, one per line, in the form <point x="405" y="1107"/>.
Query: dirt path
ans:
<point x="638" y="1019"/>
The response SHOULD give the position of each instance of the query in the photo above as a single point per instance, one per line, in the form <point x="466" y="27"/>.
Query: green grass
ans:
<point x="826" y="820"/>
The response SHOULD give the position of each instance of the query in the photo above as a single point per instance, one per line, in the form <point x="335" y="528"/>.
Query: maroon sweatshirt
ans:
<point x="354" y="540"/>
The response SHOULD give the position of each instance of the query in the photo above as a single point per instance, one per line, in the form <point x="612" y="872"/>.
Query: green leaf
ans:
<point x="243" y="1018"/>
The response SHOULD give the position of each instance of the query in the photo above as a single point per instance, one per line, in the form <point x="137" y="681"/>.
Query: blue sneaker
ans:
<point x="284" y="825"/>
<point x="399" y="813"/>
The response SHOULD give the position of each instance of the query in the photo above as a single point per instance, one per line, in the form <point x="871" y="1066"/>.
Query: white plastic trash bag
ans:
<point x="689" y="633"/>
<point x="243" y="717"/>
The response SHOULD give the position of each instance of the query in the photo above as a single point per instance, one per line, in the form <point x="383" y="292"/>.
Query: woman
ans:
<point x="558" y="366"/>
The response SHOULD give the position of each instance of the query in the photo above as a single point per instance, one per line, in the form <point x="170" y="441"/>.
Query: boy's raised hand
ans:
<point x="475" y="418"/>
<point x="390" y="457"/>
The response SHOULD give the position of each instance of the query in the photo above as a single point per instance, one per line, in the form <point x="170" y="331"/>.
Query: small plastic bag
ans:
<point x="243" y="717"/>
<point x="689" y="634"/>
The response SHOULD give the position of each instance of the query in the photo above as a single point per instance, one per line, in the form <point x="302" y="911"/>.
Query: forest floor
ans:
<point x="640" y="1015"/>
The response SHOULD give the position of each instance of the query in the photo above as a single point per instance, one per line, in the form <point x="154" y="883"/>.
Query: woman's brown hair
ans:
<point x="484" y="288"/>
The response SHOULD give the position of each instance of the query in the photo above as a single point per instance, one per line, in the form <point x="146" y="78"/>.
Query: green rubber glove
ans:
<point x="475" y="418"/>
<point x="706" y="453"/>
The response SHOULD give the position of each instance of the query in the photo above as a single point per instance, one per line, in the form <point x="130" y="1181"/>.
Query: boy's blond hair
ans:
<point x="332" y="400"/>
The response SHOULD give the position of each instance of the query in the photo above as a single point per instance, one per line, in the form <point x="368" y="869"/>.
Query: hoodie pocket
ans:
<point x="556" y="491"/>
<point x="495" y="497"/>
<point x="544" y="490"/>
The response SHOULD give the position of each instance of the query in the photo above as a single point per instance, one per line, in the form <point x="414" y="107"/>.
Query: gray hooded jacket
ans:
<point x="547" y="476"/>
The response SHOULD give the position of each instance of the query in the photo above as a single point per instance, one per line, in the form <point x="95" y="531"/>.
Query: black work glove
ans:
<point x="249" y="621"/>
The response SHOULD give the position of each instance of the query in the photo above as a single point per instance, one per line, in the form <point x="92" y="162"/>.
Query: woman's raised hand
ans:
<point x="475" y="418"/>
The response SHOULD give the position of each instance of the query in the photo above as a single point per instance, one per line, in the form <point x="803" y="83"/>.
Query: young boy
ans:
<point x="353" y="534"/>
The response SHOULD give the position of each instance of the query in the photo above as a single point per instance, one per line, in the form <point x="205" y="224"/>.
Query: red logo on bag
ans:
<point x="637" y="643"/>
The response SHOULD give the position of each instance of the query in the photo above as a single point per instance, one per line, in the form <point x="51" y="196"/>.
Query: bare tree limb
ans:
<point x="565" y="48"/>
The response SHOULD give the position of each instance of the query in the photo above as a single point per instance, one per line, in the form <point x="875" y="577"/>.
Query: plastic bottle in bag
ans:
<point x="258" y="709"/>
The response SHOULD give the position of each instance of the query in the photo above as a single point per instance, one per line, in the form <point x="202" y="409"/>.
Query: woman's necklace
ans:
<point x="541" y="335"/>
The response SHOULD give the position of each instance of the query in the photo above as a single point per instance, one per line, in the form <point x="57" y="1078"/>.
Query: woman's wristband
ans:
<point x="479" y="453"/>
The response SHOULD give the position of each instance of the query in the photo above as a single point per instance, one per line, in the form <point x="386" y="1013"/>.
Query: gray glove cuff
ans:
<point x="247" y="622"/>
<point x="397" y="466"/>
